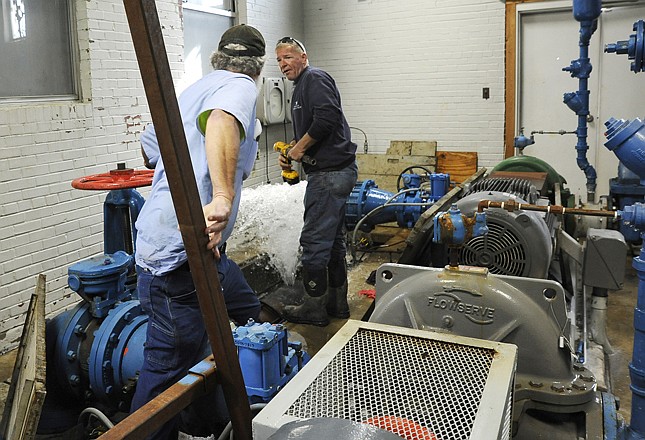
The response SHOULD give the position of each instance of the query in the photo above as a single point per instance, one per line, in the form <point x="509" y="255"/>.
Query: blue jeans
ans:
<point x="323" y="233"/>
<point x="176" y="338"/>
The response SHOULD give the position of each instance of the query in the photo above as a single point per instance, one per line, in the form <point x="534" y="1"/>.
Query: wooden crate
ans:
<point x="460" y="165"/>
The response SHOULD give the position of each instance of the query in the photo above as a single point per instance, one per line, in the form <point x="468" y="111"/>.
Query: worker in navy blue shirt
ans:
<point x="322" y="133"/>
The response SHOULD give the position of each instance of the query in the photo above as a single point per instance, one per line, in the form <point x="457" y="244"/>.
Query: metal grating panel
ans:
<point x="508" y="416"/>
<point x="429" y="385"/>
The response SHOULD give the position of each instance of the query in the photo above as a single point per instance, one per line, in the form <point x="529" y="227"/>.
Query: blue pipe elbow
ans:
<point x="627" y="140"/>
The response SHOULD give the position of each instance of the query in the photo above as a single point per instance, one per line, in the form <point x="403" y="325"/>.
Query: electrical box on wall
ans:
<point x="271" y="101"/>
<point x="288" y="93"/>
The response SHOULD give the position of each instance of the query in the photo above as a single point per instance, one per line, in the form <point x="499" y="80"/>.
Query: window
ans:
<point x="36" y="50"/>
<point x="204" y="23"/>
<point x="212" y="5"/>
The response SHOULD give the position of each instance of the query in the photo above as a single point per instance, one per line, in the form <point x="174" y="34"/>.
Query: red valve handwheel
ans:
<point x="115" y="179"/>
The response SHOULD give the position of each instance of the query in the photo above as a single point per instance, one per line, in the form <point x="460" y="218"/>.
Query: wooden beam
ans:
<point x="162" y="102"/>
<point x="27" y="390"/>
<point x="510" y="73"/>
<point x="510" y="69"/>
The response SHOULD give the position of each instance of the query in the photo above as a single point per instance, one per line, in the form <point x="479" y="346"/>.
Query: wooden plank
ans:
<point x="414" y="148"/>
<point x="390" y="164"/>
<point x="384" y="169"/>
<point x="460" y="165"/>
<point x="27" y="390"/>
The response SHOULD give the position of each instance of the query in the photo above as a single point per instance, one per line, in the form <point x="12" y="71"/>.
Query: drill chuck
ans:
<point x="290" y="176"/>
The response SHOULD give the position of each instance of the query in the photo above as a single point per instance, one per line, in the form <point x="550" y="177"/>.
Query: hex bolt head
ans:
<point x="74" y="379"/>
<point x="536" y="384"/>
<point x="557" y="387"/>
<point x="71" y="355"/>
<point x="579" y="385"/>
<point x="579" y="367"/>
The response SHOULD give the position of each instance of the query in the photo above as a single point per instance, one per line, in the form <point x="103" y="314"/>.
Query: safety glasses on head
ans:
<point x="291" y="40"/>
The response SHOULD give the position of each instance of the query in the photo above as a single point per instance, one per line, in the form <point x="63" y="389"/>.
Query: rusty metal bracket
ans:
<point x="205" y="370"/>
<point x="162" y="102"/>
<point x="159" y="410"/>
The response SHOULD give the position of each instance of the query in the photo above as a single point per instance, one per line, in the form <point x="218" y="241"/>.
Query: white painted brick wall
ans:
<point x="45" y="224"/>
<point x="415" y="70"/>
<point x="274" y="19"/>
<point x="414" y="73"/>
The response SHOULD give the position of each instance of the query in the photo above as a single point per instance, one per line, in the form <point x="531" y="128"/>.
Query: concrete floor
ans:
<point x="620" y="331"/>
<point x="620" y="325"/>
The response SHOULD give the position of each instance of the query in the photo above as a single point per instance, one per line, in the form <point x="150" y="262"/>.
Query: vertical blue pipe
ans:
<point x="587" y="13"/>
<point x="636" y="430"/>
<point x="635" y="215"/>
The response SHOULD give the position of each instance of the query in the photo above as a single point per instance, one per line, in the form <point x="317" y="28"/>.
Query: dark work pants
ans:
<point x="176" y="338"/>
<point x="323" y="232"/>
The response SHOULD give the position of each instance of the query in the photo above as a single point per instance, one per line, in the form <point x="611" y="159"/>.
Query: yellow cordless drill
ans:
<point x="290" y="176"/>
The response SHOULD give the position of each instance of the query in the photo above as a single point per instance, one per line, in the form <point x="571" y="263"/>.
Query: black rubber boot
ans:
<point x="313" y="310"/>
<point x="337" y="305"/>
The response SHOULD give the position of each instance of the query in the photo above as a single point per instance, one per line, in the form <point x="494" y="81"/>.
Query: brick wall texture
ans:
<point x="406" y="70"/>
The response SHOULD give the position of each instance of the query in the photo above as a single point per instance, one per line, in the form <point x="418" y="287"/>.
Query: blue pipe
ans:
<point x="587" y="13"/>
<point x="634" y="47"/>
<point x="404" y="207"/>
<point x="636" y="429"/>
<point x="120" y="212"/>
<point x="627" y="140"/>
